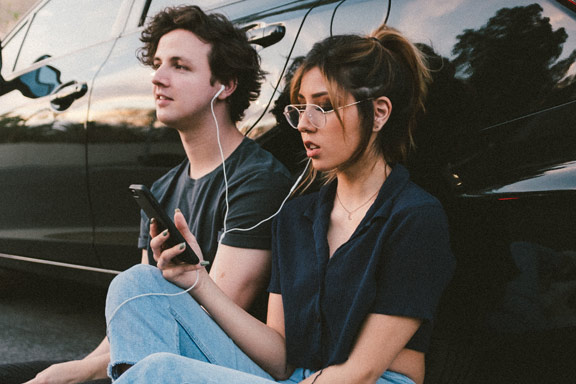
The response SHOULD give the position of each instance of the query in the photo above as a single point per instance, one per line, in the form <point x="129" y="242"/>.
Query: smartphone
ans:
<point x="152" y="208"/>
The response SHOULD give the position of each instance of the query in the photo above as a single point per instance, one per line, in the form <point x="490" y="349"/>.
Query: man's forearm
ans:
<point x="96" y="367"/>
<point x="96" y="363"/>
<point x="102" y="348"/>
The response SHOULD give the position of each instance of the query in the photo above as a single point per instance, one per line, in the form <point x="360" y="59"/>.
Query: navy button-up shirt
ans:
<point x="397" y="262"/>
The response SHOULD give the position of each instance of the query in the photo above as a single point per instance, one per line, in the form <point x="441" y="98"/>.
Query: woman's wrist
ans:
<point x="199" y="282"/>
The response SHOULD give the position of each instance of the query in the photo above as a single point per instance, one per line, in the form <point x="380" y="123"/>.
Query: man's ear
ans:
<point x="229" y="89"/>
<point x="382" y="111"/>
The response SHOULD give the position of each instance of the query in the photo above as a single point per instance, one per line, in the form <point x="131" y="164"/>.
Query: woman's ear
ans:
<point x="229" y="89"/>
<point x="382" y="111"/>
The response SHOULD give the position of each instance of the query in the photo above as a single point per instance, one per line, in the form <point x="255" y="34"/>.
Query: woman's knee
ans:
<point x="162" y="364"/>
<point x="153" y="368"/>
<point x="138" y="277"/>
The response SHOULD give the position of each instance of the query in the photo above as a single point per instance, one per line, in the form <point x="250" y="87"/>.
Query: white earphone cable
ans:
<point x="225" y="230"/>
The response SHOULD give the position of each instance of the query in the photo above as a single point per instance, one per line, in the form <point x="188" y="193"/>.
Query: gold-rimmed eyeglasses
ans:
<point x="316" y="114"/>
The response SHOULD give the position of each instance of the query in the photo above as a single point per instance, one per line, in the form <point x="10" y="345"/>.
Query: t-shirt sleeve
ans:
<point x="255" y="199"/>
<point x="417" y="264"/>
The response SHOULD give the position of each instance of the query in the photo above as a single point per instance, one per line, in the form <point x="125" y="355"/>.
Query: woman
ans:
<point x="358" y="267"/>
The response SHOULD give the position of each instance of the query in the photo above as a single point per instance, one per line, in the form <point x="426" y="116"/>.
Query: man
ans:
<point x="206" y="75"/>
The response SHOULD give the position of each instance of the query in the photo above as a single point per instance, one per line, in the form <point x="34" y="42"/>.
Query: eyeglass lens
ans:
<point x="314" y="114"/>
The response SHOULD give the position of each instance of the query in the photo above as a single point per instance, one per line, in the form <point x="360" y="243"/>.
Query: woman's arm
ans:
<point x="265" y="344"/>
<point x="381" y="339"/>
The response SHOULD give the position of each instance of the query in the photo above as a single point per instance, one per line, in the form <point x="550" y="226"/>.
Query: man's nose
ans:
<point x="159" y="76"/>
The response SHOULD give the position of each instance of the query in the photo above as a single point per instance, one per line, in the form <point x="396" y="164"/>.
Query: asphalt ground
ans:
<point x="44" y="318"/>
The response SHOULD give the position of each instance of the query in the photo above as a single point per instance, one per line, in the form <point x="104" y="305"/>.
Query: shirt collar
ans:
<point x="392" y="187"/>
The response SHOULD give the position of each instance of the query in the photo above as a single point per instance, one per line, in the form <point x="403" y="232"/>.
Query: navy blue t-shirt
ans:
<point x="257" y="185"/>
<point x="397" y="262"/>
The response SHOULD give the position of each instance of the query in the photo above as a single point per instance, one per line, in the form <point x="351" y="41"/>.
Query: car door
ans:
<point x="49" y="63"/>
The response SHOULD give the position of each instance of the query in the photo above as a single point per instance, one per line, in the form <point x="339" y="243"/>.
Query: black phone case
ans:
<point x="152" y="208"/>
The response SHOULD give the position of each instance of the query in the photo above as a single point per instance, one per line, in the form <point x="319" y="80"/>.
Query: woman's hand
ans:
<point x="334" y="374"/>
<point x="338" y="374"/>
<point x="181" y="274"/>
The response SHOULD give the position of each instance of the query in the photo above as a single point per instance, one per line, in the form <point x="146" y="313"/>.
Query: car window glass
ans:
<point x="496" y="70"/>
<point x="61" y="26"/>
<point x="10" y="50"/>
<point x="508" y="58"/>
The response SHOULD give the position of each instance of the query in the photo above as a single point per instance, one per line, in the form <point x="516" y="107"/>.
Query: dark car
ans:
<point x="497" y="146"/>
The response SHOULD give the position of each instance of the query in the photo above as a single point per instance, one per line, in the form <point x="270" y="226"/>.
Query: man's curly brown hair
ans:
<point x="231" y="57"/>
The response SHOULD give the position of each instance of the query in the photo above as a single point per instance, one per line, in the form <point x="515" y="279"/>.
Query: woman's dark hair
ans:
<point x="231" y="57"/>
<point x="384" y="63"/>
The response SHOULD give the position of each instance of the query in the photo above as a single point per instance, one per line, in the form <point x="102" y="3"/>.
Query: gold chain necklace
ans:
<point x="354" y="210"/>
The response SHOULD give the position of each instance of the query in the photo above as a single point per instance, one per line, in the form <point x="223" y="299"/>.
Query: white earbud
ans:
<point x="222" y="88"/>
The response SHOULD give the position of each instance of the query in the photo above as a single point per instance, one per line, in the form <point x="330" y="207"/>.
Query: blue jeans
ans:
<point x="171" y="339"/>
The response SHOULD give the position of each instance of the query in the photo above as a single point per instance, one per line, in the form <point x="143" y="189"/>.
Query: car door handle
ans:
<point x="65" y="95"/>
<point x="265" y="35"/>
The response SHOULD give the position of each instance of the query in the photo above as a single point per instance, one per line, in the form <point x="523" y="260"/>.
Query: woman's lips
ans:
<point x="312" y="149"/>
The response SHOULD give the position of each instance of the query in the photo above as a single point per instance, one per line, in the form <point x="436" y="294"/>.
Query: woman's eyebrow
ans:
<point x="313" y="96"/>
<point x="319" y="94"/>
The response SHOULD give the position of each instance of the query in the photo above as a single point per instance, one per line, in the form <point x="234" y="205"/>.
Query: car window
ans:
<point x="10" y="50"/>
<point x="504" y="74"/>
<point x="73" y="31"/>
<point x="508" y="58"/>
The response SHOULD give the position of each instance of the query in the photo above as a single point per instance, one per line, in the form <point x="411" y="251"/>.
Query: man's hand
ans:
<point x="72" y="372"/>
